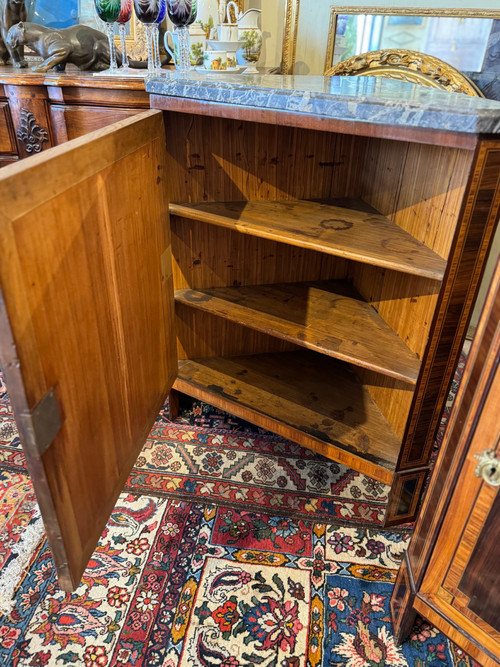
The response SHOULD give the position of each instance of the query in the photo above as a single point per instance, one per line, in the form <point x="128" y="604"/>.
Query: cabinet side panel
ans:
<point x="419" y="187"/>
<point x="473" y="236"/>
<point x="393" y="397"/>
<point x="407" y="304"/>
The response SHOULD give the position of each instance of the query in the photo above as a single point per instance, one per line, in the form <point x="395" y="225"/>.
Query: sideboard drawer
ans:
<point x="70" y="122"/>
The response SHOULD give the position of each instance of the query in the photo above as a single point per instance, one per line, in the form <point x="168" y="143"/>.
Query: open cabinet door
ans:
<point x="87" y="343"/>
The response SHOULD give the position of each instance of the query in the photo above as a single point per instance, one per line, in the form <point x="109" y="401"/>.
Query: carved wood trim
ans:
<point x="31" y="134"/>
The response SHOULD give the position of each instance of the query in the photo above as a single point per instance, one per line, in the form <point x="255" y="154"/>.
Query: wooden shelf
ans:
<point x="309" y="398"/>
<point x="327" y="316"/>
<point x="347" y="228"/>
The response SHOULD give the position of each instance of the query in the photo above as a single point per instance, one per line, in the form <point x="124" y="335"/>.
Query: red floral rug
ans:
<point x="21" y="530"/>
<point x="184" y="584"/>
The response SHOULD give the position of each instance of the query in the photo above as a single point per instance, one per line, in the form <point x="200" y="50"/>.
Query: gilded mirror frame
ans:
<point x="290" y="36"/>
<point x="336" y="11"/>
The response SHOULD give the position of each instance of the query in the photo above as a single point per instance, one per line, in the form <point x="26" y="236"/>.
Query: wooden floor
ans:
<point x="345" y="228"/>
<point x="315" y="400"/>
<point x="327" y="316"/>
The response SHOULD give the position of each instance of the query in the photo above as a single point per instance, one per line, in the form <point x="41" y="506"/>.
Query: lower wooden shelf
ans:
<point x="326" y="316"/>
<point x="314" y="400"/>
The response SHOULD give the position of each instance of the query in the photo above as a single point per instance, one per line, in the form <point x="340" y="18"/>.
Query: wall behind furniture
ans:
<point x="314" y="19"/>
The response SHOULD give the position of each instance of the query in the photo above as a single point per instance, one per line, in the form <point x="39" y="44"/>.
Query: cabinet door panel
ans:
<point x="86" y="340"/>
<point x="480" y="578"/>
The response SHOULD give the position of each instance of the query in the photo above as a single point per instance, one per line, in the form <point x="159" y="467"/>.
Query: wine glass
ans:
<point x="109" y="11"/>
<point x="148" y="12"/>
<point x="182" y="13"/>
<point x="156" y="33"/>
<point x="122" y="20"/>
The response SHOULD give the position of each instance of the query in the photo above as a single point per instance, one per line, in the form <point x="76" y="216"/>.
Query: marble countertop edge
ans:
<point x="363" y="99"/>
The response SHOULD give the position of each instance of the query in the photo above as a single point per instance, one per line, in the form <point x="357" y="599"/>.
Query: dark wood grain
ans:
<point x="328" y="317"/>
<point x="480" y="580"/>
<point x="32" y="99"/>
<point x="453" y="557"/>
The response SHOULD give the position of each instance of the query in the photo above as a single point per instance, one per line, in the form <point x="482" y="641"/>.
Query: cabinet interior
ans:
<point x="307" y="271"/>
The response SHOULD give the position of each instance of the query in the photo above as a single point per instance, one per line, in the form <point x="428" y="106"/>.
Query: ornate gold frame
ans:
<point x="410" y="66"/>
<point x="136" y="40"/>
<point x="335" y="11"/>
<point x="290" y="36"/>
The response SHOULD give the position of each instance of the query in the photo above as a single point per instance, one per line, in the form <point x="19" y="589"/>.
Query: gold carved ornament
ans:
<point x="406" y="65"/>
<point x="290" y="36"/>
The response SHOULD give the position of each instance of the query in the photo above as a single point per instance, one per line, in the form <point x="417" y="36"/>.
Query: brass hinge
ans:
<point x="44" y="422"/>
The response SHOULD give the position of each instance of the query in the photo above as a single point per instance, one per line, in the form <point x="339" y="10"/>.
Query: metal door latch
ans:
<point x="488" y="467"/>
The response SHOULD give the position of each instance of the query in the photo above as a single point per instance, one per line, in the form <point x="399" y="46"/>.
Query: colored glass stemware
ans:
<point x="182" y="13"/>
<point x="109" y="11"/>
<point x="122" y="20"/>
<point x="150" y="13"/>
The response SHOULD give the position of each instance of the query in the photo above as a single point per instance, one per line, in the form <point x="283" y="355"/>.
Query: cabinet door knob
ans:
<point x="488" y="467"/>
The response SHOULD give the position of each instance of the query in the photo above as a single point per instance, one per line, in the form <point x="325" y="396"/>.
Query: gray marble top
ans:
<point x="368" y="99"/>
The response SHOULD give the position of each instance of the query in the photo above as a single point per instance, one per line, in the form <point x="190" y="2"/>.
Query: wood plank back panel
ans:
<point x="206" y="256"/>
<point x="88" y="302"/>
<point x="213" y="159"/>
<point x="212" y="336"/>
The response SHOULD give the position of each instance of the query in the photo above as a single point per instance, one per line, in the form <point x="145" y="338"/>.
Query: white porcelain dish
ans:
<point x="233" y="70"/>
<point x="215" y="45"/>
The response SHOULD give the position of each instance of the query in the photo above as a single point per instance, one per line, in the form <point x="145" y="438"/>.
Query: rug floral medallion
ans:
<point x="188" y="584"/>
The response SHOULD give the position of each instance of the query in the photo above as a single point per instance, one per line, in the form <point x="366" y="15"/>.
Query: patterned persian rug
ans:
<point x="184" y="584"/>
<point x="231" y="548"/>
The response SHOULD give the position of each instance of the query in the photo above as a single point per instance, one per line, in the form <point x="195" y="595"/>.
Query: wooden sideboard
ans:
<point x="451" y="572"/>
<point x="314" y="276"/>
<point x="38" y="111"/>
